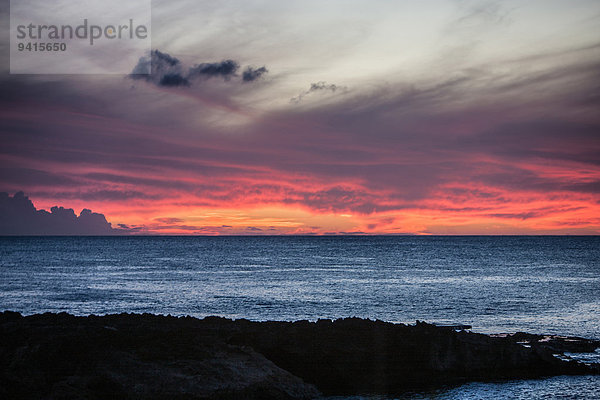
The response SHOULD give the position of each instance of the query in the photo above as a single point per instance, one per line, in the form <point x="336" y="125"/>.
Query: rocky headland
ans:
<point x="128" y="356"/>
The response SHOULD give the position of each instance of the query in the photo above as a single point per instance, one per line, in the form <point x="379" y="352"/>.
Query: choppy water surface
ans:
<point x="496" y="284"/>
<point x="555" y="388"/>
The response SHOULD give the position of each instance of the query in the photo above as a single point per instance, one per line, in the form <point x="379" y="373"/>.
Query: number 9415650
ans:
<point x="42" y="46"/>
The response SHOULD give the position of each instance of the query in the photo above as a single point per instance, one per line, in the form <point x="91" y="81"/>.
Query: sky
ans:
<point x="323" y="117"/>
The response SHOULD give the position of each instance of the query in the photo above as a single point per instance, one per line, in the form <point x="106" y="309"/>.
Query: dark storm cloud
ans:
<point x="165" y="70"/>
<point x="173" y="80"/>
<point x="161" y="69"/>
<point x="224" y="69"/>
<point x="251" y="74"/>
<point x="18" y="216"/>
<point x="157" y="63"/>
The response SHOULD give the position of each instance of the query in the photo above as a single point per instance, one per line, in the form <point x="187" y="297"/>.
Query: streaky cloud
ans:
<point x="320" y="86"/>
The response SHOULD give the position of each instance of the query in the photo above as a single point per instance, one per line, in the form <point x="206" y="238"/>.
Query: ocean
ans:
<point x="497" y="284"/>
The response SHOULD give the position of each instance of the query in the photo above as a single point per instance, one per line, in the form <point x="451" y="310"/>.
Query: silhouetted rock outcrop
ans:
<point x="556" y="343"/>
<point x="146" y="357"/>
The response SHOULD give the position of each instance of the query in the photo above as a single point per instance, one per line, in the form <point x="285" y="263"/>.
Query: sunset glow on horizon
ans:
<point x="369" y="117"/>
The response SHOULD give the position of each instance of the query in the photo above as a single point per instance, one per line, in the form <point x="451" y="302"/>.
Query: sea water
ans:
<point x="538" y="284"/>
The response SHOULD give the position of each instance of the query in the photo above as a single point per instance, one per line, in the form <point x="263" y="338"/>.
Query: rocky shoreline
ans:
<point x="128" y="356"/>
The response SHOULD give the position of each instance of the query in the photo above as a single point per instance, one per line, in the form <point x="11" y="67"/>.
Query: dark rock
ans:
<point x="555" y="343"/>
<point x="353" y="356"/>
<point x="455" y="327"/>
<point x="132" y="357"/>
<point x="145" y="357"/>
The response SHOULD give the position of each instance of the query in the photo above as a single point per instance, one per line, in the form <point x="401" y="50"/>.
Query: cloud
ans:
<point x="535" y="213"/>
<point x="323" y="86"/>
<point x="510" y="134"/>
<point x="173" y="80"/>
<point x="341" y="199"/>
<point x="18" y="216"/>
<point x="29" y="176"/>
<point x="162" y="69"/>
<point x="371" y="152"/>
<point x="169" y="221"/>
<point x="100" y="195"/>
<point x="130" y="228"/>
<point x="157" y="63"/>
<point x="513" y="178"/>
<point x="251" y="74"/>
<point x="225" y="69"/>
<point x="318" y="87"/>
